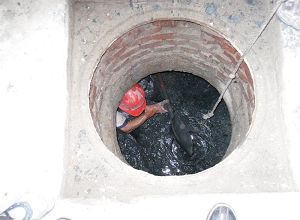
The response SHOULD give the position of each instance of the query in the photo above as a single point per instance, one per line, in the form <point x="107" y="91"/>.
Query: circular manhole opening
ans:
<point x="170" y="45"/>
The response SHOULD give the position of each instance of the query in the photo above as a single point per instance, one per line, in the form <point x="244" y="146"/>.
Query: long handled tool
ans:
<point x="233" y="74"/>
<point x="180" y="126"/>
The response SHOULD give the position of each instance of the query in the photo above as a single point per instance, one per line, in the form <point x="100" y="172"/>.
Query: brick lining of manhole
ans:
<point x="167" y="45"/>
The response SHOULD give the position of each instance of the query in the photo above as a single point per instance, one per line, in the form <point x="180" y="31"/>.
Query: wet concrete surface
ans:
<point x="153" y="148"/>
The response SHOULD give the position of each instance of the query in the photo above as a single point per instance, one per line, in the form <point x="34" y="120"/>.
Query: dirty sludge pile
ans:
<point x="153" y="148"/>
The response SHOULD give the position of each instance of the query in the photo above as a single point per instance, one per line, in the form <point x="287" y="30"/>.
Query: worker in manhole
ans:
<point x="152" y="146"/>
<point x="134" y="104"/>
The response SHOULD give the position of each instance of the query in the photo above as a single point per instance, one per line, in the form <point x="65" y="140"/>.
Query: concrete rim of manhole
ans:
<point x="169" y="45"/>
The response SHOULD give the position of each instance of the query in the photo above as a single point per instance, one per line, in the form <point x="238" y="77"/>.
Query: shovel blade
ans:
<point x="182" y="134"/>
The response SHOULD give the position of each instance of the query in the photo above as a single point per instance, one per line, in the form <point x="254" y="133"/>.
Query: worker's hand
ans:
<point x="162" y="107"/>
<point x="150" y="110"/>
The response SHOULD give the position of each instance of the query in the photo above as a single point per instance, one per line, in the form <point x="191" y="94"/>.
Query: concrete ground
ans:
<point x="48" y="51"/>
<point x="246" y="206"/>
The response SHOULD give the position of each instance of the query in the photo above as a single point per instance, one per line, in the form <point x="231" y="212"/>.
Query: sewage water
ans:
<point x="152" y="147"/>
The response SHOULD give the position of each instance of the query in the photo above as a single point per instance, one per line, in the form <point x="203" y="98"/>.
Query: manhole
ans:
<point x="169" y="45"/>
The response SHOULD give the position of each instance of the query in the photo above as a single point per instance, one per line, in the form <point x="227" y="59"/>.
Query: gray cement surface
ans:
<point x="34" y="41"/>
<point x="260" y="164"/>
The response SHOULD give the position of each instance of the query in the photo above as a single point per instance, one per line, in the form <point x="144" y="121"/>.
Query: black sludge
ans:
<point x="154" y="148"/>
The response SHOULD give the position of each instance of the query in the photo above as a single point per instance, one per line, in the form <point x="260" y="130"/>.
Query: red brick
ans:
<point x="222" y="60"/>
<point x="186" y="37"/>
<point x="250" y="94"/>
<point x="245" y="77"/>
<point x="116" y="44"/>
<point x="209" y="41"/>
<point x="227" y="47"/>
<point x="224" y="44"/>
<point x="165" y="49"/>
<point x="113" y="62"/>
<point x="119" y="52"/>
<point x="189" y="50"/>
<point x="172" y="42"/>
<point x="130" y="52"/>
<point x="165" y="23"/>
<point x="232" y="59"/>
<point x="135" y="57"/>
<point x="247" y="74"/>
<point x="237" y="56"/>
<point x="134" y="33"/>
<point x="153" y="45"/>
<point x="158" y="37"/>
<point x="152" y="30"/>
<point x="93" y="90"/>
<point x="210" y="34"/>
<point x="208" y="66"/>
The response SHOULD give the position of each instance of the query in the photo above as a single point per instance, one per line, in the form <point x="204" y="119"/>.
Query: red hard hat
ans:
<point x="134" y="102"/>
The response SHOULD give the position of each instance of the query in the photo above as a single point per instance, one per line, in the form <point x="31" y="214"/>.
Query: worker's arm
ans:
<point x="149" y="112"/>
